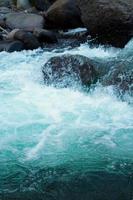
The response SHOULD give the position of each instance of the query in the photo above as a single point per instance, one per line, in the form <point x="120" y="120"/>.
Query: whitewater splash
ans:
<point x="43" y="127"/>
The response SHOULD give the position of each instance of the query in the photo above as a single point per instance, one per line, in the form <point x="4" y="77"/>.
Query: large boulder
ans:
<point x="69" y="70"/>
<point x="43" y="4"/>
<point x="110" y="21"/>
<point x="63" y="14"/>
<point x="24" y="21"/>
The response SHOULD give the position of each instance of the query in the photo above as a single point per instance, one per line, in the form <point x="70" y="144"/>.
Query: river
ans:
<point x="63" y="143"/>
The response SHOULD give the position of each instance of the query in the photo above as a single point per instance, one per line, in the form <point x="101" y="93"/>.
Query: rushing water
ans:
<point x="62" y="144"/>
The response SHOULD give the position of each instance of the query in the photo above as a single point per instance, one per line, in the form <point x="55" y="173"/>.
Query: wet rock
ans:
<point x="29" y="40"/>
<point x="120" y="76"/>
<point x="68" y="70"/>
<point x="78" y="35"/>
<point x="45" y="36"/>
<point x="11" y="46"/>
<point x="43" y="4"/>
<point x="24" y="21"/>
<point x="63" y="14"/>
<point x="111" y="22"/>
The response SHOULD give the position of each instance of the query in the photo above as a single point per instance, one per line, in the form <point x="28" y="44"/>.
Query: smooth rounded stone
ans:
<point x="110" y="22"/>
<point x="25" y="21"/>
<point x="11" y="46"/>
<point x="29" y="40"/>
<point x="68" y="70"/>
<point x="63" y="14"/>
<point x="45" y="36"/>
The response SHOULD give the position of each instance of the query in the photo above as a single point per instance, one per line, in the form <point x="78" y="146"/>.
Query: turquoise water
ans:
<point x="62" y="143"/>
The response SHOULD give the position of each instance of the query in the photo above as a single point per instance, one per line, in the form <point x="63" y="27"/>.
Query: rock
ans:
<point x="63" y="14"/>
<point x="11" y="46"/>
<point x="5" y="3"/>
<point x="5" y="10"/>
<point x="23" y="4"/>
<point x="24" y="21"/>
<point x="45" y="36"/>
<point x="120" y="76"/>
<point x="110" y="21"/>
<point x="11" y="35"/>
<point x="68" y="70"/>
<point x="2" y="22"/>
<point x="1" y="36"/>
<point x="43" y="4"/>
<point x="29" y="40"/>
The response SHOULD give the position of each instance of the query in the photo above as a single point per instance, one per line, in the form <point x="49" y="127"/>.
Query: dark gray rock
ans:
<point x="110" y="21"/>
<point x="43" y="4"/>
<point x="2" y="22"/>
<point x="29" y="40"/>
<point x="45" y="36"/>
<point x="68" y="70"/>
<point x="11" y="46"/>
<point x="120" y="76"/>
<point x="5" y="3"/>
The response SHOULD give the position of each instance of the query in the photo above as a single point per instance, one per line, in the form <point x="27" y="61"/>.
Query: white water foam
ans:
<point x="53" y="126"/>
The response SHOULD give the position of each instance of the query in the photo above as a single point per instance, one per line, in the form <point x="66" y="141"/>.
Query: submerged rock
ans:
<point x="110" y="21"/>
<point x="68" y="70"/>
<point x="121" y="77"/>
<point x="63" y="14"/>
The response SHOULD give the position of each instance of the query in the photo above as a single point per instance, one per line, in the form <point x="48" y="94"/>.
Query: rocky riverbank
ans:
<point x="107" y="22"/>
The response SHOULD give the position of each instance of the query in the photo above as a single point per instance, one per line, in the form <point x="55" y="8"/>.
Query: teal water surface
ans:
<point x="62" y="143"/>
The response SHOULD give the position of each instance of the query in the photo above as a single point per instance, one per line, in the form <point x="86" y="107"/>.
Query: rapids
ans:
<point x="63" y="143"/>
